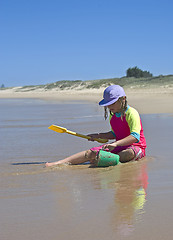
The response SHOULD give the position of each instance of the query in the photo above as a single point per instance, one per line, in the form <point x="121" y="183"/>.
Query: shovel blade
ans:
<point x="58" y="129"/>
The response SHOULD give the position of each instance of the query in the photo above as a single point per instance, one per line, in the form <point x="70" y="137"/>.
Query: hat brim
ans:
<point x="105" y="103"/>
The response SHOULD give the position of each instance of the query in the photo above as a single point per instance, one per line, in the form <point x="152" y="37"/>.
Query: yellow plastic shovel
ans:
<point x="64" y="130"/>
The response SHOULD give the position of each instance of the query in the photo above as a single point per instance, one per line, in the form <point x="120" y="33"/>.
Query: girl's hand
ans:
<point x="110" y="146"/>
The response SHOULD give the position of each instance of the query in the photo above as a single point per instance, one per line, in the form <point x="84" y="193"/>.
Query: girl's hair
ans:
<point x="123" y="108"/>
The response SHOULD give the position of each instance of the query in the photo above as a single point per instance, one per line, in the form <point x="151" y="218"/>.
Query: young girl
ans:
<point x="126" y="131"/>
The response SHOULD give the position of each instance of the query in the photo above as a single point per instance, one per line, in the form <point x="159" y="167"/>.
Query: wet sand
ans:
<point x="129" y="201"/>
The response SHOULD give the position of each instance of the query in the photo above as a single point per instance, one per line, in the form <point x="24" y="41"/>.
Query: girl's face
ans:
<point x="116" y="107"/>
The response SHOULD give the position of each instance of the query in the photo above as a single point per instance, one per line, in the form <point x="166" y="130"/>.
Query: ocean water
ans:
<point x="128" y="201"/>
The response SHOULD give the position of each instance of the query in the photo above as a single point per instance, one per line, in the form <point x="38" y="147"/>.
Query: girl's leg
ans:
<point x="77" y="158"/>
<point x="126" y="155"/>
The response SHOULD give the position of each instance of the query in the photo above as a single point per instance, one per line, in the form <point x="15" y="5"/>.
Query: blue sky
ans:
<point x="46" y="41"/>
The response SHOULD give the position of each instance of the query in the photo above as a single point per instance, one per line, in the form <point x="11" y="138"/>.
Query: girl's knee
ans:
<point x="90" y="155"/>
<point x="126" y="155"/>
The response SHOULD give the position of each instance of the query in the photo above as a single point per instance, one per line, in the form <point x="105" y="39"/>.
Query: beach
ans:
<point x="153" y="99"/>
<point x="128" y="201"/>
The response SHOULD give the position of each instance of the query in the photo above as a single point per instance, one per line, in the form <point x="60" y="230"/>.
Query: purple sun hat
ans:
<point x="111" y="95"/>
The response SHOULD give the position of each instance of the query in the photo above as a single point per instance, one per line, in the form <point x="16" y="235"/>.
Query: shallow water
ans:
<point x="129" y="201"/>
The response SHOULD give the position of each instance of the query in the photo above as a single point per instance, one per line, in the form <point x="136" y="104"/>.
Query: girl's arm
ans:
<point x="129" y="140"/>
<point x="106" y="135"/>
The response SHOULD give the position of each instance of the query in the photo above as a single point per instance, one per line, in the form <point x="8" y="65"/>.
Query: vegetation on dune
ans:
<point x="138" y="73"/>
<point x="96" y="84"/>
<point x="135" y="78"/>
<point x="132" y="82"/>
<point x="29" y="88"/>
<point x="63" y="84"/>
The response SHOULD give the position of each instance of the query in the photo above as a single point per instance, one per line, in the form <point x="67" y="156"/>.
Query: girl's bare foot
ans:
<point x="50" y="164"/>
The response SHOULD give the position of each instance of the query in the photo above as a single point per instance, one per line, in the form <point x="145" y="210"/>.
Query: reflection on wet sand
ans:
<point x="130" y="182"/>
<point x="114" y="197"/>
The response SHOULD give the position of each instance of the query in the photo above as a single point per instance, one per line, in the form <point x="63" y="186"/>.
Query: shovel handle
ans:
<point x="100" y="140"/>
<point x="64" y="130"/>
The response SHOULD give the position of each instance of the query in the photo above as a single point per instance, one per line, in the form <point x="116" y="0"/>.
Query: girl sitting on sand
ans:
<point x="126" y="130"/>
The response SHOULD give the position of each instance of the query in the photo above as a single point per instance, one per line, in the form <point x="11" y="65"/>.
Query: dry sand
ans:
<point x="145" y="100"/>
